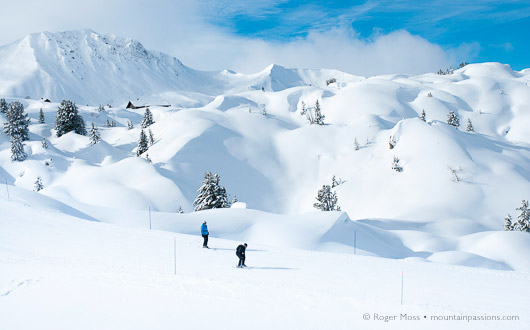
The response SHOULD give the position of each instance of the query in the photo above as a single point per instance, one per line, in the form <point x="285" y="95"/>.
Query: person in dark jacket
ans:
<point x="205" y="233"/>
<point x="240" y="252"/>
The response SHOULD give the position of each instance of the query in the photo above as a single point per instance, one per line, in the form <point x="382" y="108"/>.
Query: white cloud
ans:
<point x="180" y="29"/>
<point x="340" y="48"/>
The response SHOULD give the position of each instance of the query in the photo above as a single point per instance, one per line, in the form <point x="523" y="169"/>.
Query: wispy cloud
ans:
<point x="322" y="37"/>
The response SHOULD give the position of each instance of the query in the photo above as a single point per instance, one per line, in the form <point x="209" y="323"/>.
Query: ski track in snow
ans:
<point x="17" y="286"/>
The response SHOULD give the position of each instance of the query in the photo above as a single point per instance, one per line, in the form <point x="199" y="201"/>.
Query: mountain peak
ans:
<point x="87" y="67"/>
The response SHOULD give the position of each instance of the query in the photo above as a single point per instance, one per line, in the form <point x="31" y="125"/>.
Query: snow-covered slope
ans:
<point x="58" y="271"/>
<point x="248" y="128"/>
<point x="83" y="239"/>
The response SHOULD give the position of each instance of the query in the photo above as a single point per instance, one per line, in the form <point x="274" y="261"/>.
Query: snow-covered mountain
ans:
<point x="447" y="203"/>
<point x="85" y="232"/>
<point x="88" y="67"/>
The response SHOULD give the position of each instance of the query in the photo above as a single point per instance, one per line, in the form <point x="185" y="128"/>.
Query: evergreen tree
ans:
<point x="211" y="194"/>
<point x="423" y="116"/>
<point x="452" y="119"/>
<point x="3" y="106"/>
<point x="319" y="117"/>
<point x="355" y="144"/>
<point x="42" y="120"/>
<point x="335" y="183"/>
<point x="303" y="110"/>
<point x="234" y="200"/>
<point x="151" y="138"/>
<point x="147" y="158"/>
<point x="17" y="122"/>
<point x="523" y="220"/>
<point x="44" y="144"/>
<point x="148" y="118"/>
<point x="222" y="196"/>
<point x="180" y="210"/>
<point x="108" y="124"/>
<point x="38" y="184"/>
<point x="469" y="127"/>
<point x="68" y="119"/>
<point x="101" y="108"/>
<point x="142" y="144"/>
<point x="94" y="135"/>
<point x="327" y="199"/>
<point x="395" y="165"/>
<point x="130" y="125"/>
<point x="17" y="149"/>
<point x="508" y="226"/>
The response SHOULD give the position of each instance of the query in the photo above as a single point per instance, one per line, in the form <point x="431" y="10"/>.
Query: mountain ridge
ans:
<point x="89" y="67"/>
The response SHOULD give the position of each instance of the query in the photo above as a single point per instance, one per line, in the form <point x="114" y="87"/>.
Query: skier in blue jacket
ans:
<point x="205" y="233"/>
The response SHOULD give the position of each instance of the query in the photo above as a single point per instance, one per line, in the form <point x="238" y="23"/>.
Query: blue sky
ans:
<point x="498" y="30"/>
<point x="360" y="37"/>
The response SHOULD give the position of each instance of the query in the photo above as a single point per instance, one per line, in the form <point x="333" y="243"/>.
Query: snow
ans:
<point x="86" y="231"/>
<point x="60" y="271"/>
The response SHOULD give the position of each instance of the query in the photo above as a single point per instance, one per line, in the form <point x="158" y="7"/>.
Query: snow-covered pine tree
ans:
<point x="17" y="122"/>
<point x="452" y="119"/>
<point x="319" y="117"/>
<point x="68" y="119"/>
<point x="151" y="138"/>
<point x="113" y="124"/>
<point x="94" y="135"/>
<point x="142" y="144"/>
<point x="303" y="110"/>
<point x="42" y="120"/>
<point x="101" y="108"/>
<point x="523" y="220"/>
<point x="334" y="182"/>
<point x="395" y="165"/>
<point x="234" y="200"/>
<point x="422" y="115"/>
<point x="148" y="118"/>
<point x="108" y="124"/>
<point x="391" y="142"/>
<point x="355" y="144"/>
<point x="180" y="210"/>
<point x="327" y="199"/>
<point x="508" y="225"/>
<point x="147" y="158"/>
<point x="17" y="149"/>
<point x="469" y="127"/>
<point x="130" y="125"/>
<point x="211" y="194"/>
<point x="38" y="184"/>
<point x="222" y="196"/>
<point x="3" y="106"/>
<point x="44" y="143"/>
